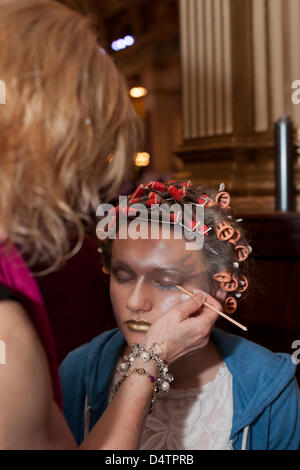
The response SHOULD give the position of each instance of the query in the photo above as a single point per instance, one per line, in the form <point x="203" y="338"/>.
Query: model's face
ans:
<point x="144" y="275"/>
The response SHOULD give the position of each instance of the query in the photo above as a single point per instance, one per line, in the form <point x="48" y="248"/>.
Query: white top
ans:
<point x="194" y="419"/>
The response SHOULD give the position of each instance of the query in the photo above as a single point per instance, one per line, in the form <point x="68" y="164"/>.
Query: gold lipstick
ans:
<point x="138" y="325"/>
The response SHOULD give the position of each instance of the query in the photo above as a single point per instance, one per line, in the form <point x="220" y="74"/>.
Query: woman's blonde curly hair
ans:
<point x="66" y="130"/>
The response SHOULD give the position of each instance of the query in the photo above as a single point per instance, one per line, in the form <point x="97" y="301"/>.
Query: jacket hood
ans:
<point x="259" y="375"/>
<point x="103" y="355"/>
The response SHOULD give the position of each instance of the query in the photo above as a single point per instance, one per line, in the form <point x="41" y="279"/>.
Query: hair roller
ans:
<point x="231" y="285"/>
<point x="223" y="276"/>
<point x="235" y="237"/>
<point x="224" y="231"/>
<point x="230" y="305"/>
<point x="223" y="200"/>
<point x="241" y="253"/>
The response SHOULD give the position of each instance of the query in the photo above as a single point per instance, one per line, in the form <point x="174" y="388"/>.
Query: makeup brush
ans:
<point x="214" y="309"/>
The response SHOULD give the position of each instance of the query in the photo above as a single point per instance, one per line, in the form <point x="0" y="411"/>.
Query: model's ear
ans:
<point x="105" y="270"/>
<point x="221" y="294"/>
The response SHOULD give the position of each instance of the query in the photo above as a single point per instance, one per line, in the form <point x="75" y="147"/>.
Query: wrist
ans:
<point x="150" y="366"/>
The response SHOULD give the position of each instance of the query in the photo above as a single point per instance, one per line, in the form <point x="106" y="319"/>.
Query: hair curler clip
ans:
<point x="235" y="237"/>
<point x="223" y="276"/>
<point x="230" y="305"/>
<point x="231" y="285"/>
<point x="223" y="200"/>
<point x="241" y="253"/>
<point x="224" y="231"/>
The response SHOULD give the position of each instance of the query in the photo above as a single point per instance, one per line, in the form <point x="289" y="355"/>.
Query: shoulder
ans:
<point x="23" y="372"/>
<point x="263" y="381"/>
<point x="15" y="323"/>
<point x="255" y="369"/>
<point x="240" y="351"/>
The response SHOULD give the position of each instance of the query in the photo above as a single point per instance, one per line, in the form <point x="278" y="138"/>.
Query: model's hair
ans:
<point x="218" y="256"/>
<point x="66" y="130"/>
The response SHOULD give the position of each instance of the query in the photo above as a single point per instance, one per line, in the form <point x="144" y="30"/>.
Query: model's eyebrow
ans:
<point x="168" y="271"/>
<point x="118" y="264"/>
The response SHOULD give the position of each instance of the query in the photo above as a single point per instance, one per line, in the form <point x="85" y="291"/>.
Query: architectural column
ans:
<point x="239" y="60"/>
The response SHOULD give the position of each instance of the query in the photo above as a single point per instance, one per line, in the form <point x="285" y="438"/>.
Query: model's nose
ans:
<point x="138" y="300"/>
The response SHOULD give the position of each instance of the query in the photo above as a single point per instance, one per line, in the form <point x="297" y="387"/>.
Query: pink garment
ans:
<point x="16" y="276"/>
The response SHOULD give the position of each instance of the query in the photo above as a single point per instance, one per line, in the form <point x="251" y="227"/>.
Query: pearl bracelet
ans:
<point x="139" y="350"/>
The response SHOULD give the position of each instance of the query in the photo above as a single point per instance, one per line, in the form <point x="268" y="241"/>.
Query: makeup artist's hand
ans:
<point x="181" y="330"/>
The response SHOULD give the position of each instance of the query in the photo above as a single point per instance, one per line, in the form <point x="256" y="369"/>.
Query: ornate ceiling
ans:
<point x="153" y="23"/>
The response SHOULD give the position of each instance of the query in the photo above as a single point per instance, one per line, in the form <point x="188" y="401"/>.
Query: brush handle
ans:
<point x="215" y="310"/>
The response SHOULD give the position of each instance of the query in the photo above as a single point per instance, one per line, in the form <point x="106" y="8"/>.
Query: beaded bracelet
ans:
<point x="140" y="371"/>
<point x="164" y="379"/>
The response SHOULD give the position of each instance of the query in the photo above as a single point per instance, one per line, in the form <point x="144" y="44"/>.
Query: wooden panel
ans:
<point x="261" y="122"/>
<point x="276" y="58"/>
<point x="242" y="47"/>
<point x="201" y="98"/>
<point x="192" y="69"/>
<point x="294" y="42"/>
<point x="206" y="67"/>
<point x="228" y="80"/>
<point x="185" y="67"/>
<point x="219" y="125"/>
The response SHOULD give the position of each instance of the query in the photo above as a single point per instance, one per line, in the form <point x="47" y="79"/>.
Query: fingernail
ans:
<point x="184" y="297"/>
<point x="199" y="291"/>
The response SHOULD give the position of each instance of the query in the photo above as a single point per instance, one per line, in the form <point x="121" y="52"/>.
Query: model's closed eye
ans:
<point x="121" y="275"/>
<point x="165" y="284"/>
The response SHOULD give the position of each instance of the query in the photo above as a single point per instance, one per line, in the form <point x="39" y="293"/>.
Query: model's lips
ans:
<point x="138" y="325"/>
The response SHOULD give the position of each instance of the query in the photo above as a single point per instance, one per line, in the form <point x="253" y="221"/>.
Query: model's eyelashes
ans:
<point x="166" y="285"/>
<point x="121" y="276"/>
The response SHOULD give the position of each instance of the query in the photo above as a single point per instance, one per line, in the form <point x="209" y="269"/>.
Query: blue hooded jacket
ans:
<point x="266" y="396"/>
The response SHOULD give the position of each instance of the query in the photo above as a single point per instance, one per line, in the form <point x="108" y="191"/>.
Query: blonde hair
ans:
<point x="66" y="130"/>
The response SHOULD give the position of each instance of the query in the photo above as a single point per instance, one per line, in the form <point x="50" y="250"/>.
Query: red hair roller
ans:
<point x="157" y="186"/>
<point x="140" y="191"/>
<point x="187" y="185"/>
<point x="154" y="197"/>
<point x="135" y="200"/>
<point x="204" y="199"/>
<point x="177" y="194"/>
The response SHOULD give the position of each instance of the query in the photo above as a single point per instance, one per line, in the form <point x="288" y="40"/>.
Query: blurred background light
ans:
<point x="138" y="92"/>
<point x="122" y="43"/>
<point x="129" y="40"/>
<point x="142" y="159"/>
